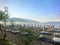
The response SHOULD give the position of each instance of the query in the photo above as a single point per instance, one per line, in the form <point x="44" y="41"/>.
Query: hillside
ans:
<point x="23" y="20"/>
<point x="29" y="21"/>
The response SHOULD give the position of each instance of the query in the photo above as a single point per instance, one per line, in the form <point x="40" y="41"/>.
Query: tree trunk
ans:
<point x="4" y="37"/>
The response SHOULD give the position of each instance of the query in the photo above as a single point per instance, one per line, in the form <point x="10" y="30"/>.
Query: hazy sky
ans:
<point x="40" y="10"/>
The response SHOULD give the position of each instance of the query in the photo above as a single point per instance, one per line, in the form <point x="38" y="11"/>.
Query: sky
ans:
<point x="39" y="10"/>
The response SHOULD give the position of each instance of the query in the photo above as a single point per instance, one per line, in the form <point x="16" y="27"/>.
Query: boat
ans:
<point x="56" y="37"/>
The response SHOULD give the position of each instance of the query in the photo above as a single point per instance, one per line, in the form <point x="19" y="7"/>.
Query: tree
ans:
<point x="26" y="35"/>
<point x="3" y="17"/>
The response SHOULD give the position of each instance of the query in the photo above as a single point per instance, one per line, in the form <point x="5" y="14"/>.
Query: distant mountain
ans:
<point x="28" y="21"/>
<point x="23" y="20"/>
<point x="53" y="23"/>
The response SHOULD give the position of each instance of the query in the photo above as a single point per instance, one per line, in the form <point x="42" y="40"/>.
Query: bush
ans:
<point x="5" y="42"/>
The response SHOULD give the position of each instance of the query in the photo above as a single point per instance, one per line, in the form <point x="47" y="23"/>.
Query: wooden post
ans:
<point x="38" y="26"/>
<point x="49" y="28"/>
<point x="24" y="25"/>
<point x="43" y="28"/>
<point x="59" y="28"/>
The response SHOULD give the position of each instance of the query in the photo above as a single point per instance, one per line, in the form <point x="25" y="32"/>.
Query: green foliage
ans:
<point x="27" y="35"/>
<point x="3" y="15"/>
<point x="5" y="42"/>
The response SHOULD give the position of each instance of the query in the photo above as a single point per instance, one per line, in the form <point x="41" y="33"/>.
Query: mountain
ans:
<point x="52" y="23"/>
<point x="20" y="20"/>
<point x="29" y="21"/>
